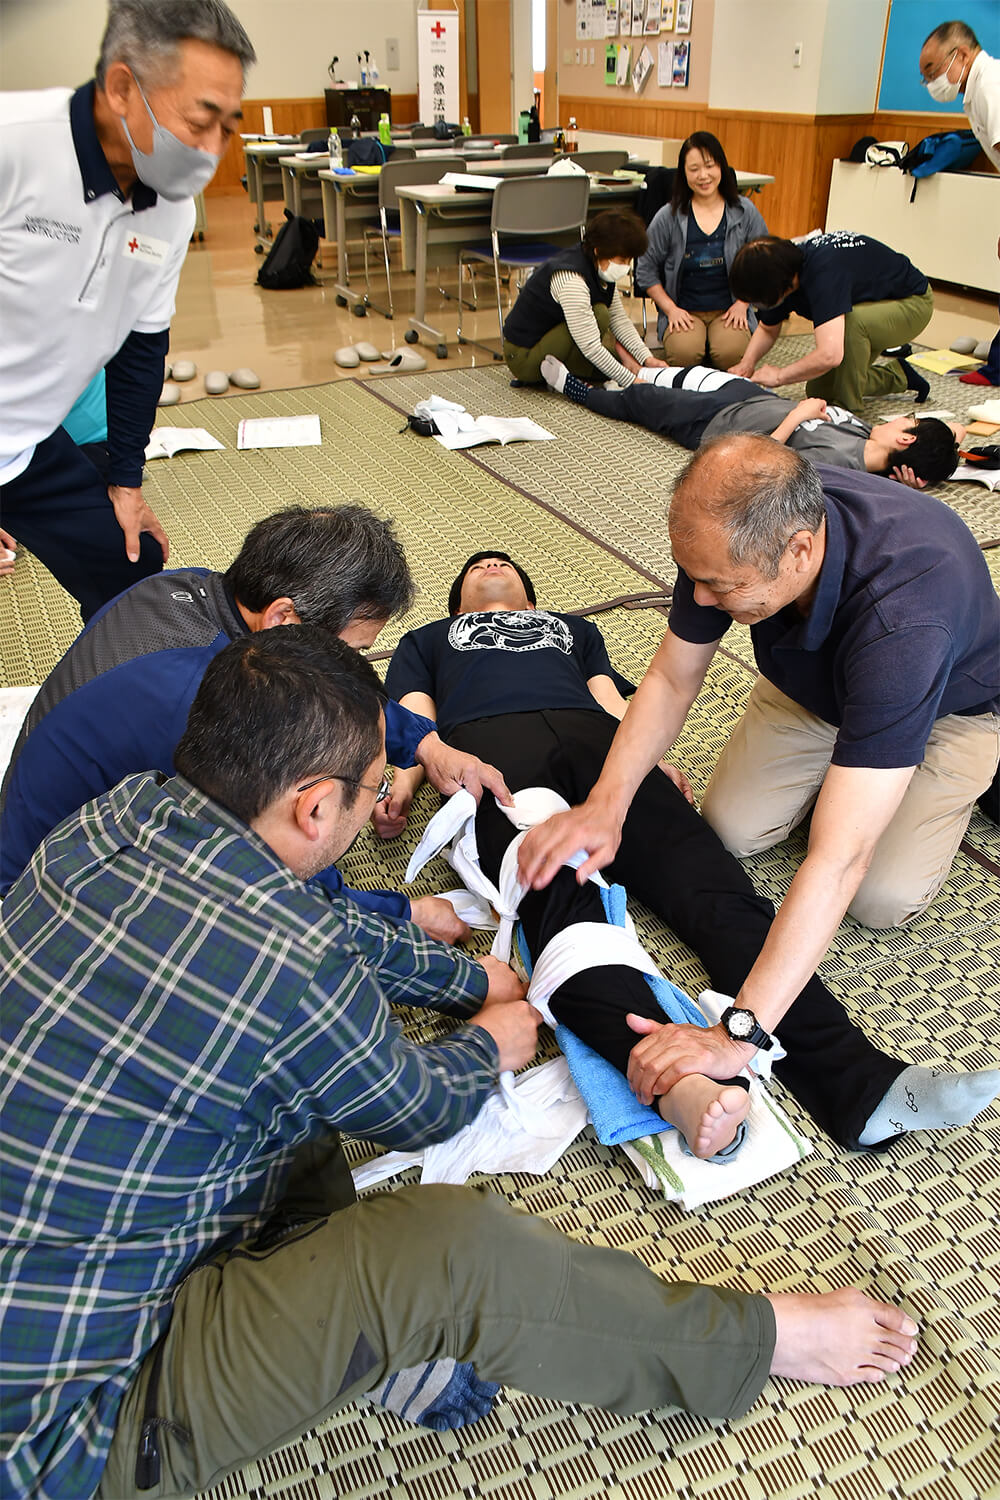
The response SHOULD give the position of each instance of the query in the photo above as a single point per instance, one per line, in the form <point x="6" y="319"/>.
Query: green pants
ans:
<point x="868" y="329"/>
<point x="526" y="364"/>
<point x="265" y="1343"/>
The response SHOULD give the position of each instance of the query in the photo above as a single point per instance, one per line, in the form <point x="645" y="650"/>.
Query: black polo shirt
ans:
<point x="841" y="269"/>
<point x="904" y="627"/>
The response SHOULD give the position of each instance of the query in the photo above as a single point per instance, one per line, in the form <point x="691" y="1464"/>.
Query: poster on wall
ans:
<point x="611" y="18"/>
<point x="665" y="65"/>
<point x="684" y="15"/>
<point x="651" y="26"/>
<point x="643" y="68"/>
<point x="624" y="59"/>
<point x="682" y="62"/>
<point x="437" y="65"/>
<point x="666" y="15"/>
<point x="638" y="16"/>
<point x="611" y="64"/>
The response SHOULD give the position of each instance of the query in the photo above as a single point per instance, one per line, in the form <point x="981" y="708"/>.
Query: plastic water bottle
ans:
<point x="572" y="139"/>
<point x="335" y="149"/>
<point x="384" y="129"/>
<point x="466" y="127"/>
<point x="355" y="126"/>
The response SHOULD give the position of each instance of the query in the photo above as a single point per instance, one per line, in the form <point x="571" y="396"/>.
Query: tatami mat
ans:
<point x="917" y="1224"/>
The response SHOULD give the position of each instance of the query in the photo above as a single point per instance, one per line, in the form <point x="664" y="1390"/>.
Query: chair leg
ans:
<point x="388" y="277"/>
<point x="496" y="277"/>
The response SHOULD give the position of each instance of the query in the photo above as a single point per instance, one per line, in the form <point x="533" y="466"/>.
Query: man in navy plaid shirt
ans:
<point x="185" y="1013"/>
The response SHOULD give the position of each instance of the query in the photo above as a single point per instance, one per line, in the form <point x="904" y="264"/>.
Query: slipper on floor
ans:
<point x="366" y="351"/>
<point x="966" y="344"/>
<point x="400" y="359"/>
<point x="170" y="395"/>
<point x="183" y="369"/>
<point x="346" y="358"/>
<point x="216" y="383"/>
<point x="245" y="378"/>
<point x="982" y="349"/>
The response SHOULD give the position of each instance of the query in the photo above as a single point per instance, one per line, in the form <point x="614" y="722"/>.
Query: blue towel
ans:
<point x="616" y="1112"/>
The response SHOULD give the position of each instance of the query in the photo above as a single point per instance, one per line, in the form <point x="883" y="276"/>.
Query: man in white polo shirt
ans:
<point x="96" y="213"/>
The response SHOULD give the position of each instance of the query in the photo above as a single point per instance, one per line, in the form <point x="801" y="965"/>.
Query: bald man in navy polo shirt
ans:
<point x="876" y="629"/>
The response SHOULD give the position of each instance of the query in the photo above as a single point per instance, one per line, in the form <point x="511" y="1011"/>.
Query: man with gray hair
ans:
<point x="96" y="213"/>
<point x="951" y="63"/>
<point x="876" y="630"/>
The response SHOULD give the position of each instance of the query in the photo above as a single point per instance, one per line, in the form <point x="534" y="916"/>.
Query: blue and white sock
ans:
<point x="930" y="1099"/>
<point x="439" y="1394"/>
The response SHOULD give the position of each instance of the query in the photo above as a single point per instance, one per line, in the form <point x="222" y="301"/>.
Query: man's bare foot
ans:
<point x="706" y="1112"/>
<point x="840" y="1338"/>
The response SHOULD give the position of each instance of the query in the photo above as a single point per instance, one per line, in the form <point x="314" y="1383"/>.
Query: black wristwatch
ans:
<point x="742" y="1026"/>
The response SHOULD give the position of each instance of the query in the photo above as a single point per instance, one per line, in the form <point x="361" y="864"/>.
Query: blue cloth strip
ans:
<point x="614" y="1109"/>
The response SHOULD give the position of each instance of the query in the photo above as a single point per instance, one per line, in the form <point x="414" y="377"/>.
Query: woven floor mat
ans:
<point x="444" y="507"/>
<point x="915" y="1225"/>
<point x="615" y="479"/>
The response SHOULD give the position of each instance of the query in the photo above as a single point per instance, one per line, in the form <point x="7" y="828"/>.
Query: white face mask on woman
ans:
<point x="941" y="89"/>
<point x="172" y="169"/>
<point x="614" y="270"/>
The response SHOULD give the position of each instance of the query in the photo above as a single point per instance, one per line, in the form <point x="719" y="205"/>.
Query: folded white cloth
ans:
<point x="14" y="705"/>
<point x="525" y="1126"/>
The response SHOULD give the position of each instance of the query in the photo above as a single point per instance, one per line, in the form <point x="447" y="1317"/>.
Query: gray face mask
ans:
<point x="172" y="169"/>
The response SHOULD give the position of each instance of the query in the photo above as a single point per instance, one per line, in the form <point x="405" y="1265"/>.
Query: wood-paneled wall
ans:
<point x="289" y="116"/>
<point x="797" y="150"/>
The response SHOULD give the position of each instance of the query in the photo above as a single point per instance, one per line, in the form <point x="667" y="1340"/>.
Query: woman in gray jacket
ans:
<point x="692" y="244"/>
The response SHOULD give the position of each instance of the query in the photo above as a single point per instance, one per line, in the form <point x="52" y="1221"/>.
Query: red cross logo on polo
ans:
<point x="133" y="244"/>
<point x="438" y="30"/>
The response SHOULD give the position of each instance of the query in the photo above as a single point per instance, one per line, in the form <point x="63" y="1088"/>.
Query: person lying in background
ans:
<point x="694" y="405"/>
<point x="693" y="242"/>
<point x="571" y="307"/>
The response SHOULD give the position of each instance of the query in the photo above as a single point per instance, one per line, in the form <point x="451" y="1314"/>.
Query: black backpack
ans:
<point x="291" y="256"/>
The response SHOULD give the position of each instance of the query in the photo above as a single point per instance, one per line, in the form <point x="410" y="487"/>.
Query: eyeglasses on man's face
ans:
<point x="381" y="791"/>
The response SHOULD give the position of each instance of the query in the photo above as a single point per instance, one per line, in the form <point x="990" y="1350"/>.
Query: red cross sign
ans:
<point x="133" y="244"/>
<point x="437" y="30"/>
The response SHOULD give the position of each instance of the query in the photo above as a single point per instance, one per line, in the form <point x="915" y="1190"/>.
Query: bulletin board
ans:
<point x="910" y="21"/>
<point x="638" y="51"/>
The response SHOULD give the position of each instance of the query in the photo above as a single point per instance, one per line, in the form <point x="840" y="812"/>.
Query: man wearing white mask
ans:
<point x="96" y="188"/>
<point x="952" y="63"/>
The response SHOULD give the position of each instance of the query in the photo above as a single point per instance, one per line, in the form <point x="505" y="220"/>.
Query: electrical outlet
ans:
<point x="797" y="55"/>
<point x="576" y="56"/>
<point x="392" y="55"/>
<point x="591" y="57"/>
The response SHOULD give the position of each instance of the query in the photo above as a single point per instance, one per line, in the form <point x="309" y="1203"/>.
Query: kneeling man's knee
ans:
<point x="729" y="813"/>
<point x="883" y="902"/>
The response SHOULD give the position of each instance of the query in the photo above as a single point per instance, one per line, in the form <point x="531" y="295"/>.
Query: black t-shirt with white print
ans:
<point x="499" y="661"/>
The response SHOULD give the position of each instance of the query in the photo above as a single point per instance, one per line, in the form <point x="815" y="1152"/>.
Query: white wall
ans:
<point x="49" y="42"/>
<point x="752" y="55"/>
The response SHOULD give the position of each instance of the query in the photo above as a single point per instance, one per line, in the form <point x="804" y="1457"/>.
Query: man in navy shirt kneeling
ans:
<point x="876" y="629"/>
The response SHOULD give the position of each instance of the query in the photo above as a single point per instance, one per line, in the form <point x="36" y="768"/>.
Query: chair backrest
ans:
<point x="595" y="161"/>
<point x="540" y="205"/>
<point x="305" y="136"/>
<point x="396" y="174"/>
<point x="403" y="153"/>
<point x="532" y="148"/>
<point x="421" y="132"/>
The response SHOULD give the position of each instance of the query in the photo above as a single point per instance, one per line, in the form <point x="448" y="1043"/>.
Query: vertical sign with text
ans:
<point x="437" y="65"/>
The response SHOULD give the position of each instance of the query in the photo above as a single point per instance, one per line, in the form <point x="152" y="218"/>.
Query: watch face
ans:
<point x="741" y="1023"/>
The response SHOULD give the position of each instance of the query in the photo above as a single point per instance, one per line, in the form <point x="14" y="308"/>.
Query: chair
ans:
<point x="305" y="136"/>
<point x="524" y="210"/>
<point x="532" y="148"/>
<point x="393" y="175"/>
<point x="403" y="153"/>
<point x="595" y="161"/>
<point x="421" y="132"/>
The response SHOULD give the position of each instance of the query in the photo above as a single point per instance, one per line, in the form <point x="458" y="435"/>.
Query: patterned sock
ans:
<point x="930" y="1099"/>
<point x="439" y="1394"/>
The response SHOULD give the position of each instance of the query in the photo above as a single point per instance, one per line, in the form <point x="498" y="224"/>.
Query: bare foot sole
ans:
<point x="840" y="1338"/>
<point x="707" y="1112"/>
